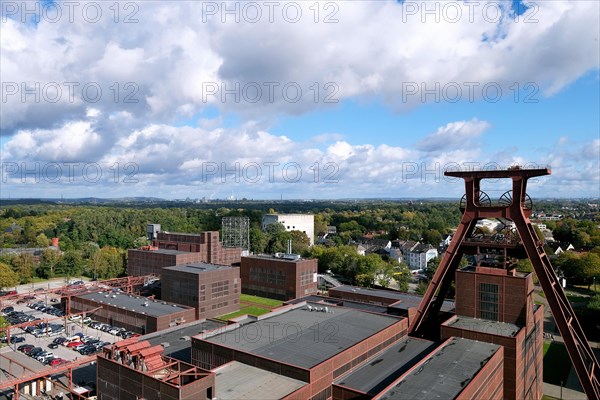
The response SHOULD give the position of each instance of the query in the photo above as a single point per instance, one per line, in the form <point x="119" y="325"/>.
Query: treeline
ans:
<point x="120" y="227"/>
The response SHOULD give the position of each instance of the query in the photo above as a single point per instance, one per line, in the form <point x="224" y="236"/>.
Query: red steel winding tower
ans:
<point x="515" y="206"/>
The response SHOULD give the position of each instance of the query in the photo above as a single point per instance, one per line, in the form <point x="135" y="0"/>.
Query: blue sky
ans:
<point x="203" y="120"/>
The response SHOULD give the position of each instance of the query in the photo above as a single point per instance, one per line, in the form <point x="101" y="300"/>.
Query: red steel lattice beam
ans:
<point x="475" y="209"/>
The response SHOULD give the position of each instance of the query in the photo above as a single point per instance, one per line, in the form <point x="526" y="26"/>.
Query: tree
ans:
<point x="258" y="240"/>
<point x="48" y="263"/>
<point x="402" y="276"/>
<point x="22" y="264"/>
<point x="71" y="264"/>
<point x="8" y="278"/>
<point x="432" y="236"/>
<point x="42" y="240"/>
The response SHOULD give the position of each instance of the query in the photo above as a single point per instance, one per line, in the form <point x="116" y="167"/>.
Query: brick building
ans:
<point x="496" y="306"/>
<point x="207" y="244"/>
<point x="278" y="277"/>
<point x="133" y="369"/>
<point x="310" y="346"/>
<point x="147" y="261"/>
<point x="211" y="289"/>
<point x="137" y="314"/>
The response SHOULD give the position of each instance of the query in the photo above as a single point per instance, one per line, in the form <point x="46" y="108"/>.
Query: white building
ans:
<point x="293" y="222"/>
<point x="419" y="256"/>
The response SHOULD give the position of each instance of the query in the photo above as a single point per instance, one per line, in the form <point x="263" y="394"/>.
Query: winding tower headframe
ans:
<point x="516" y="206"/>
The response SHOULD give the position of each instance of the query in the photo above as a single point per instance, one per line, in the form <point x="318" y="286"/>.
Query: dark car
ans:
<point x="33" y="351"/>
<point x="7" y="310"/>
<point x="53" y="346"/>
<point x="24" y="347"/>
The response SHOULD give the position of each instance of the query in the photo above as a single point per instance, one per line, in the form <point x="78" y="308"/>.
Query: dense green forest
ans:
<point x="94" y="238"/>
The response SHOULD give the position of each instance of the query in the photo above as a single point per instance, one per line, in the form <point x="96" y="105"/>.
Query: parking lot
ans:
<point x="60" y="326"/>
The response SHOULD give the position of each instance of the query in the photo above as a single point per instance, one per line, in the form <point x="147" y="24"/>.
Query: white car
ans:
<point x="75" y="317"/>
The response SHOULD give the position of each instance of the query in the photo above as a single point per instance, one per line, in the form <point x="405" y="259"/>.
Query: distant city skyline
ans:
<point x="296" y="100"/>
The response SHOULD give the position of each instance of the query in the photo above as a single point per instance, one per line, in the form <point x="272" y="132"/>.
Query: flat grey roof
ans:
<point x="485" y="326"/>
<point x="177" y="341"/>
<point x="238" y="381"/>
<point x="272" y="257"/>
<point x="155" y="308"/>
<point x="446" y="373"/>
<point x="304" y="338"/>
<point x="326" y="301"/>
<point x="198" y="268"/>
<point x="384" y="368"/>
<point x="405" y="300"/>
<point x="162" y="251"/>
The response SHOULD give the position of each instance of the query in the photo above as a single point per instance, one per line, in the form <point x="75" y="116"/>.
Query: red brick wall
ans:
<point x="144" y="262"/>
<point x="205" y="243"/>
<point x="292" y="286"/>
<point x="513" y="295"/>
<point x="185" y="288"/>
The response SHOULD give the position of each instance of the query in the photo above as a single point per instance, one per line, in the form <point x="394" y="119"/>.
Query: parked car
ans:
<point x="74" y="344"/>
<point x="24" y="347"/>
<point x="57" y="361"/>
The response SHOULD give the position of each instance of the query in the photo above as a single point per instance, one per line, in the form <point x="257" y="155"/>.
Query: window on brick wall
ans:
<point x="488" y="301"/>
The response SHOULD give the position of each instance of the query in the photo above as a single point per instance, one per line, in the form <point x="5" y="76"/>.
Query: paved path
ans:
<point x="572" y="388"/>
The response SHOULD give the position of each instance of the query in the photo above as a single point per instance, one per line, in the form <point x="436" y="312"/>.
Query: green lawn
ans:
<point x="556" y="363"/>
<point x="259" y="300"/>
<point x="252" y="310"/>
<point x="577" y="299"/>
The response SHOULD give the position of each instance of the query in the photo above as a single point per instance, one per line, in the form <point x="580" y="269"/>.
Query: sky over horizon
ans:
<point x="300" y="100"/>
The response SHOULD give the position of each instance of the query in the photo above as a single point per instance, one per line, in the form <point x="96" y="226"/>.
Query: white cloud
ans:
<point x="175" y="57"/>
<point x="454" y="135"/>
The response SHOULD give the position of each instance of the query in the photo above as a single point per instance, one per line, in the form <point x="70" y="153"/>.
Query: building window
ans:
<point x="488" y="301"/>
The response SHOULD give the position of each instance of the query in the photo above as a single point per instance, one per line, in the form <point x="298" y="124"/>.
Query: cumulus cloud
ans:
<point x="175" y="60"/>
<point x="454" y="135"/>
<point x="140" y="90"/>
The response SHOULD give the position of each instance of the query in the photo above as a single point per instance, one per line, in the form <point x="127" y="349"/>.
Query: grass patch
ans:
<point x="252" y="310"/>
<point x="577" y="299"/>
<point x="541" y="293"/>
<point x="557" y="363"/>
<point x="546" y="397"/>
<point x="246" y="298"/>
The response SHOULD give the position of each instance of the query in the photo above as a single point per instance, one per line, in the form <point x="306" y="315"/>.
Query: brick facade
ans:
<point x="278" y="278"/>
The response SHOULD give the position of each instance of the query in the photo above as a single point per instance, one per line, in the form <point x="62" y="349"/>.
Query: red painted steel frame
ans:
<point x="579" y="350"/>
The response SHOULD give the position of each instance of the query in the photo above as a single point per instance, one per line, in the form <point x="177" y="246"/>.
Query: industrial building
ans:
<point x="170" y="249"/>
<point x="151" y="260"/>
<point x="293" y="222"/>
<point x="310" y="343"/>
<point x="133" y="369"/>
<point x="207" y="244"/>
<point x="135" y="313"/>
<point x="211" y="289"/>
<point x="282" y="277"/>
<point x="390" y="301"/>
<point x="496" y="306"/>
